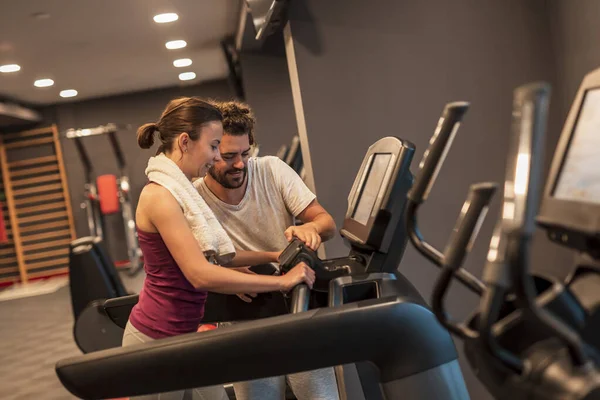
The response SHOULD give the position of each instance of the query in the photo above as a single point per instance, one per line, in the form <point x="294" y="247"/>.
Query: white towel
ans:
<point x="212" y="238"/>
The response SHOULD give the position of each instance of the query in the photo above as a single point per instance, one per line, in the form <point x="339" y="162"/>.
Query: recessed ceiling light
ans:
<point x="10" y="68"/>
<point x="182" y="62"/>
<point x="176" y="44"/>
<point x="187" y="76"/>
<point x="164" y="18"/>
<point x="68" y="93"/>
<point x="43" y="83"/>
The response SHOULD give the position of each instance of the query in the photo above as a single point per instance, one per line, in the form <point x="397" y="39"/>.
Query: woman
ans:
<point x="178" y="274"/>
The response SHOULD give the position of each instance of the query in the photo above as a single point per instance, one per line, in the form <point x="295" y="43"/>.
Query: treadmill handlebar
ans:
<point x="300" y="298"/>
<point x="396" y="328"/>
<point x="296" y="252"/>
<point x="434" y="156"/>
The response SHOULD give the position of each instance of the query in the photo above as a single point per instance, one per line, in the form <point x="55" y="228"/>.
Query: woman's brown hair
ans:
<point x="186" y="114"/>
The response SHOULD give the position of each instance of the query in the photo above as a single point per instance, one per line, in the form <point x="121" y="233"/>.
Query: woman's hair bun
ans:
<point x="145" y="135"/>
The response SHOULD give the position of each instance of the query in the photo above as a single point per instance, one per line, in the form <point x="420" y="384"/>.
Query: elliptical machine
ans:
<point x="535" y="337"/>
<point x="108" y="194"/>
<point x="93" y="279"/>
<point x="292" y="156"/>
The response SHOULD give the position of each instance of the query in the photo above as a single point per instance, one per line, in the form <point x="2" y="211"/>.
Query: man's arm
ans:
<point x="318" y="226"/>
<point x="245" y="258"/>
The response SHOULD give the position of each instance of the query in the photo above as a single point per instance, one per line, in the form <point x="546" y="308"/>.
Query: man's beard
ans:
<point x="224" y="178"/>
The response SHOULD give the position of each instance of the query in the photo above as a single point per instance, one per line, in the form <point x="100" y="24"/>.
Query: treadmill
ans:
<point x="375" y="320"/>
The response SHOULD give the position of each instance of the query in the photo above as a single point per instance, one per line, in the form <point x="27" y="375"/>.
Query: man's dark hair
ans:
<point x="238" y="119"/>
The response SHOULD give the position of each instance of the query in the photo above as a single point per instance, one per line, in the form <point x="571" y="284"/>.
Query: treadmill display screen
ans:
<point x="579" y="179"/>
<point x="371" y="186"/>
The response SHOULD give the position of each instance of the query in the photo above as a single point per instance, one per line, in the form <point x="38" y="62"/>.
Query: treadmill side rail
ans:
<point x="400" y="338"/>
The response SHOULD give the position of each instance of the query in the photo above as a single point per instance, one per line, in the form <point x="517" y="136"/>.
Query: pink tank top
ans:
<point x="168" y="305"/>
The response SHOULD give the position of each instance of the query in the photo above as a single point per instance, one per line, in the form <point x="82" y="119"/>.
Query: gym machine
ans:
<point x="292" y="155"/>
<point x="93" y="278"/>
<point x="532" y="337"/>
<point x="559" y="361"/>
<point x="282" y="152"/>
<point x="535" y="336"/>
<point x="404" y="352"/>
<point x="108" y="194"/>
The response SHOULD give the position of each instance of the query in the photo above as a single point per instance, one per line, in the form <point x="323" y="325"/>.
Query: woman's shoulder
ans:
<point x="154" y="195"/>
<point x="154" y="191"/>
<point x="155" y="204"/>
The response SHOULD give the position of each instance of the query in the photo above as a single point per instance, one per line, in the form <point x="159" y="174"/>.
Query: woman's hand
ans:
<point x="301" y="273"/>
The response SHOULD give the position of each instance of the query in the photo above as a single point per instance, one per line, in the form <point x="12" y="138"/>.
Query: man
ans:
<point x="257" y="201"/>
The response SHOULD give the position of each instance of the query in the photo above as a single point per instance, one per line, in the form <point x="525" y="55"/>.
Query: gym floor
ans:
<point x="36" y="332"/>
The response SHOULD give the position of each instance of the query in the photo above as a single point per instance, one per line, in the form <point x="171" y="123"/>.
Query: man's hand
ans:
<point x="247" y="297"/>
<point x="307" y="233"/>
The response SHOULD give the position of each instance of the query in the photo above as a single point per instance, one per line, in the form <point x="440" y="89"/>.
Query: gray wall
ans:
<point x="370" y="70"/>
<point x="135" y="109"/>
<point x="268" y="91"/>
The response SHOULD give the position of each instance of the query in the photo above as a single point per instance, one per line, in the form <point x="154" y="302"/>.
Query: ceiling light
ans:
<point x="187" y="76"/>
<point x="182" y="62"/>
<point x="176" y="44"/>
<point x="68" y="93"/>
<point x="164" y="18"/>
<point x="10" y="68"/>
<point x="43" y="83"/>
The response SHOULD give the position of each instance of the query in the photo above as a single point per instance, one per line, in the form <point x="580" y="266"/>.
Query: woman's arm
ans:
<point x="165" y="214"/>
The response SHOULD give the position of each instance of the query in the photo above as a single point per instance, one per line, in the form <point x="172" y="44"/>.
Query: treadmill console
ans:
<point x="378" y="196"/>
<point x="570" y="209"/>
<point x="373" y="220"/>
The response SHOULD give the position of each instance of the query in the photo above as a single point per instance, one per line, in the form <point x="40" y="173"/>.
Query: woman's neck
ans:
<point x="177" y="158"/>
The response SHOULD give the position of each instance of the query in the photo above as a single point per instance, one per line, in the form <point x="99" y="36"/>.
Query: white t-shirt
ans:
<point x="274" y="196"/>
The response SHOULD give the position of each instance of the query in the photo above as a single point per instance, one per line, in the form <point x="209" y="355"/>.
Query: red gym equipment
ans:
<point x="108" y="194"/>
